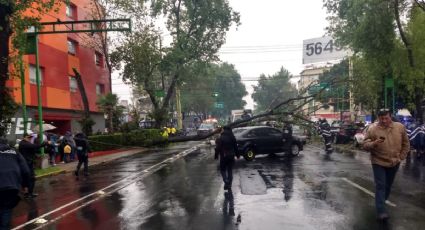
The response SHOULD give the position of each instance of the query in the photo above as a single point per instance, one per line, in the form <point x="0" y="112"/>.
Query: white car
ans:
<point x="359" y="137"/>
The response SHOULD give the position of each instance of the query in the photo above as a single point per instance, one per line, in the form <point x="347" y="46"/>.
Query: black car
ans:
<point x="255" y="140"/>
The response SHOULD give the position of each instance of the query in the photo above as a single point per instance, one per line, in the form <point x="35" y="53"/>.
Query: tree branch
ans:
<point x="421" y="4"/>
<point x="403" y="36"/>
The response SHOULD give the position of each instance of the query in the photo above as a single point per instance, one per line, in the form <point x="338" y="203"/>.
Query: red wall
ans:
<point x="57" y="67"/>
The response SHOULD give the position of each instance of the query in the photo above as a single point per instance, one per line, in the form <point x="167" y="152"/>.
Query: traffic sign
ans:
<point x="219" y="105"/>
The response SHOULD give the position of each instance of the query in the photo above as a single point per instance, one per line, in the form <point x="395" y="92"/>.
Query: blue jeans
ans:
<point x="5" y="217"/>
<point x="384" y="178"/>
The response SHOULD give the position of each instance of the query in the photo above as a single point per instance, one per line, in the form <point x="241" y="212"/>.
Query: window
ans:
<point x="71" y="11"/>
<point x="98" y="59"/>
<point x="33" y="79"/>
<point x="100" y="89"/>
<point x="73" y="84"/>
<point x="72" y="47"/>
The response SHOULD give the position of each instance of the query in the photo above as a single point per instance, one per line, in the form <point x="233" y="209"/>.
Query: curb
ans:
<point x="94" y="156"/>
<point x="51" y="174"/>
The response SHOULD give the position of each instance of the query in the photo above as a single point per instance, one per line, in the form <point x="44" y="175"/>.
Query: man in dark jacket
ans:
<point x="29" y="151"/>
<point x="83" y="149"/>
<point x="14" y="175"/>
<point x="226" y="148"/>
<point x="325" y="131"/>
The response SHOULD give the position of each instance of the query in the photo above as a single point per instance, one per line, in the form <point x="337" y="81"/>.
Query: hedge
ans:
<point x="135" y="138"/>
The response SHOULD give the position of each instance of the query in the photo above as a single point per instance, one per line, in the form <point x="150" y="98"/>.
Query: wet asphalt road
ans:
<point x="310" y="191"/>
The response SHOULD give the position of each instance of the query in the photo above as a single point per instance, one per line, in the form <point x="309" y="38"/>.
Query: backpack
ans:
<point x="67" y="149"/>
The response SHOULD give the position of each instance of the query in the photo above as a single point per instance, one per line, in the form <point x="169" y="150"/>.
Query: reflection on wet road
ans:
<point x="271" y="192"/>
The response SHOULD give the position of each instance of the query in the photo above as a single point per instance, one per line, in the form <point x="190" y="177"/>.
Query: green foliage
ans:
<point x="109" y="104"/>
<point x="369" y="27"/>
<point x="197" y="29"/>
<point x="336" y="94"/>
<point x="272" y="90"/>
<point x="8" y="108"/>
<point x="136" y="138"/>
<point x="219" y="83"/>
<point x="87" y="125"/>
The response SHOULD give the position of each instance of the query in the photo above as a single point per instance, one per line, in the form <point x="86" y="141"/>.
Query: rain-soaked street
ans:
<point x="180" y="188"/>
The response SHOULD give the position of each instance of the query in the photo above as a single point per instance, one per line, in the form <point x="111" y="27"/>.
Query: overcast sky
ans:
<point x="270" y="36"/>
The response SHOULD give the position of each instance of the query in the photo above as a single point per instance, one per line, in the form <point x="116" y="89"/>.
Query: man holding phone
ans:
<point x="388" y="144"/>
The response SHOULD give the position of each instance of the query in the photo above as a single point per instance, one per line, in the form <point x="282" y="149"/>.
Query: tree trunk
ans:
<point x="87" y="122"/>
<point x="5" y="32"/>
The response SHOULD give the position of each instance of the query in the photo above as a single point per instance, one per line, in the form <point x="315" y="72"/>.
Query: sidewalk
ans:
<point x="95" y="158"/>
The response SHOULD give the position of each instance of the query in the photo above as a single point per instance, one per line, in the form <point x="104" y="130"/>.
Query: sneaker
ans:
<point x="76" y="173"/>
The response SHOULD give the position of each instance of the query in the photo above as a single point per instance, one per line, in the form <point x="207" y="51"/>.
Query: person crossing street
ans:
<point x="226" y="149"/>
<point x="83" y="150"/>
<point x="388" y="144"/>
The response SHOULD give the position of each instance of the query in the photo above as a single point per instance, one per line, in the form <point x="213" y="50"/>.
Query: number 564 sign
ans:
<point x="321" y="50"/>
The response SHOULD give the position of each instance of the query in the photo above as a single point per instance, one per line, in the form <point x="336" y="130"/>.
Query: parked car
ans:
<point x="346" y="133"/>
<point x="359" y="137"/>
<point x="255" y="140"/>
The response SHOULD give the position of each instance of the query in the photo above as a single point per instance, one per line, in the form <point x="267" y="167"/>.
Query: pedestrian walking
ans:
<point x="83" y="150"/>
<point x="29" y="152"/>
<point x="226" y="149"/>
<point x="14" y="176"/>
<point x="388" y="144"/>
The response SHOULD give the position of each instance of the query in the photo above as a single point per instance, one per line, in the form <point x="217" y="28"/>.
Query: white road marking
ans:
<point x="367" y="191"/>
<point x="94" y="194"/>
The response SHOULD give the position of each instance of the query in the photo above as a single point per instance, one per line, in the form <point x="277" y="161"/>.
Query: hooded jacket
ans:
<point x="14" y="172"/>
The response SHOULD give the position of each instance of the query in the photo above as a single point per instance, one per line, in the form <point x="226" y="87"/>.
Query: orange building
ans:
<point x="58" y="55"/>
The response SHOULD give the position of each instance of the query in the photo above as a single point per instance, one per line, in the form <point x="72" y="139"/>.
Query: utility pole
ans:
<point x="179" y="109"/>
<point x="350" y="88"/>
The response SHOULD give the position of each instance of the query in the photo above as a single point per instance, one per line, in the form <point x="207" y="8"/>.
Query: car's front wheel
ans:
<point x="249" y="154"/>
<point x="295" y="150"/>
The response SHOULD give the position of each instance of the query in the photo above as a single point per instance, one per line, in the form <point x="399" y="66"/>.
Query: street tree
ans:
<point x="109" y="104"/>
<point x="381" y="33"/>
<point x="13" y="23"/>
<point x="197" y="89"/>
<point x="336" y="95"/>
<point x="197" y="30"/>
<point x="220" y="83"/>
<point x="229" y="87"/>
<point x="103" y="43"/>
<point x="271" y="90"/>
